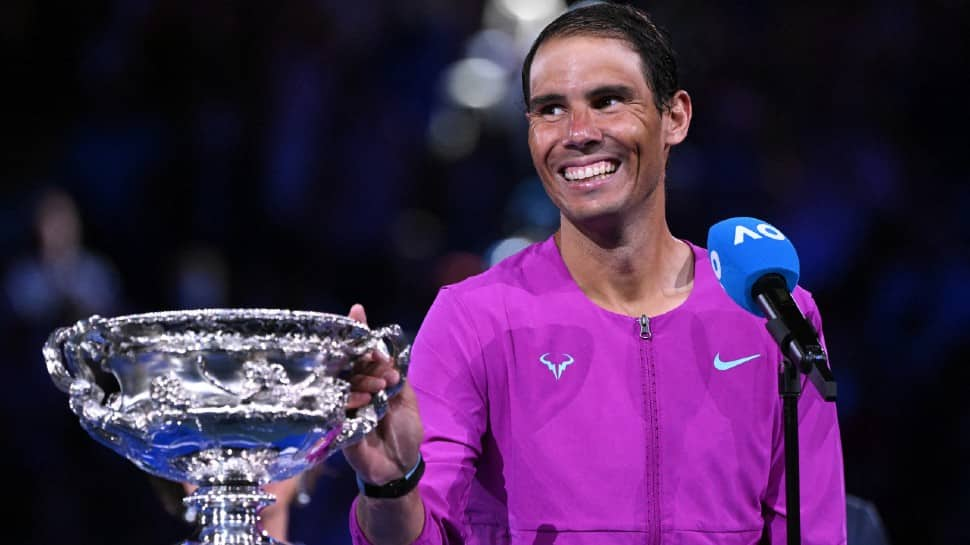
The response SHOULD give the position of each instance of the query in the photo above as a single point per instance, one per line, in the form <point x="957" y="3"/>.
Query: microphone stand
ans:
<point x="802" y="354"/>
<point x="790" y="387"/>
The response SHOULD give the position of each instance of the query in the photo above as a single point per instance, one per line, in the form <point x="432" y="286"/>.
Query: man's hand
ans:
<point x="392" y="449"/>
<point x="387" y="453"/>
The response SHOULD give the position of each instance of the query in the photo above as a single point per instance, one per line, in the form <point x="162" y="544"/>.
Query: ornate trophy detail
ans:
<point x="227" y="399"/>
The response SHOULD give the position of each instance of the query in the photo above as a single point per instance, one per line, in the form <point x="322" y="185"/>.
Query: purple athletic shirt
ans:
<point x="549" y="420"/>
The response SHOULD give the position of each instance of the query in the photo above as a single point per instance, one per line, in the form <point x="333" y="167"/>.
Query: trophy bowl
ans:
<point x="226" y="399"/>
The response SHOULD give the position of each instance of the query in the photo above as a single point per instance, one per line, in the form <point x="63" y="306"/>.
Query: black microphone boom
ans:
<point x="794" y="334"/>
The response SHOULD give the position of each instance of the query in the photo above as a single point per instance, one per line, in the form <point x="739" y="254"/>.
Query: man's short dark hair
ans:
<point x="622" y="22"/>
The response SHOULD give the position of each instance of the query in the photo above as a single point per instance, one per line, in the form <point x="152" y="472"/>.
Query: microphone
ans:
<point x="758" y="268"/>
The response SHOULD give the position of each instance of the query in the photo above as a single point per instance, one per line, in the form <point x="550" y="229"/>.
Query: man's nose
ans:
<point x="581" y="130"/>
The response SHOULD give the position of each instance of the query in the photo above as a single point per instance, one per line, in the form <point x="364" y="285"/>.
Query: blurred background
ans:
<point x="311" y="154"/>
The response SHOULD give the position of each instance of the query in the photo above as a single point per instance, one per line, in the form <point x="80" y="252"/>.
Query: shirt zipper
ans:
<point x="645" y="332"/>
<point x="653" y="494"/>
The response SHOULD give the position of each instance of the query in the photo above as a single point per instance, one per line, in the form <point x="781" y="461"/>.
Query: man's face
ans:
<point x="597" y="140"/>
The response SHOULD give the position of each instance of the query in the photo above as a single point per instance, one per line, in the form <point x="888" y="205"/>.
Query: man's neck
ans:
<point x="634" y="268"/>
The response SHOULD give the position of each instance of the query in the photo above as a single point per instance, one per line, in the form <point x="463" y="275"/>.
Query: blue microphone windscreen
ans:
<point x="742" y="250"/>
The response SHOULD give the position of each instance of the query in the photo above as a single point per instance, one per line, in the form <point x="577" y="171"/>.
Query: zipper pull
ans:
<point x="645" y="327"/>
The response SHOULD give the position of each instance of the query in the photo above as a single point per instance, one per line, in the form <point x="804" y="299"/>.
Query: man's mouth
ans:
<point x="585" y="173"/>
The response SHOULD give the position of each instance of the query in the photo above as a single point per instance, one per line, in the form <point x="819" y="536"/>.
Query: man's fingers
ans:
<point x="374" y="363"/>
<point x="372" y="372"/>
<point x="366" y="365"/>
<point x="367" y="383"/>
<point x="392" y="377"/>
<point x="358" y="400"/>
<point x="357" y="313"/>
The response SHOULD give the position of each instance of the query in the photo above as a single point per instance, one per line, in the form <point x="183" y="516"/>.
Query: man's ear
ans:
<point x="677" y="118"/>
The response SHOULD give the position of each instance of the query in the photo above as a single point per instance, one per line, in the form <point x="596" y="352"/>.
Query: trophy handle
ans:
<point x="64" y="365"/>
<point x="399" y="351"/>
<point x="64" y="359"/>
<point x="389" y="339"/>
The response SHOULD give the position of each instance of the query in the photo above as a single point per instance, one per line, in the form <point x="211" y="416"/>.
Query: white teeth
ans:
<point x="583" y="173"/>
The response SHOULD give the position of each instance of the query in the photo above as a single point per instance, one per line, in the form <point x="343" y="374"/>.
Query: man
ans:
<point x="569" y="395"/>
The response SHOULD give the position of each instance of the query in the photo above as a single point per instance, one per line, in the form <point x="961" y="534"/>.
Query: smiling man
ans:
<point x="598" y="387"/>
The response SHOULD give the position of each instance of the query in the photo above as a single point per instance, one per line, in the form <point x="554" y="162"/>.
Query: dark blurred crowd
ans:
<point x="312" y="154"/>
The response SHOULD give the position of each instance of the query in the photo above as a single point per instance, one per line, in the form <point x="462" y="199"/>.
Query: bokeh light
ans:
<point x="476" y="82"/>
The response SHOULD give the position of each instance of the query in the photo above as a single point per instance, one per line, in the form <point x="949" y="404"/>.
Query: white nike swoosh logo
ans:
<point x="730" y="364"/>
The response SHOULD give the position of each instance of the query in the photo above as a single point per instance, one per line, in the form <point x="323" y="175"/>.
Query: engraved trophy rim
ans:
<point x="223" y="312"/>
<point x="225" y="398"/>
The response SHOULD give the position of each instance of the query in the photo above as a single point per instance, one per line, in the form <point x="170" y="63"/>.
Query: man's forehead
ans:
<point x="572" y="59"/>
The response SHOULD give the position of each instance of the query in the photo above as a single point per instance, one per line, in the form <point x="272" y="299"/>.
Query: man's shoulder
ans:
<point x="483" y="303"/>
<point x="806" y="303"/>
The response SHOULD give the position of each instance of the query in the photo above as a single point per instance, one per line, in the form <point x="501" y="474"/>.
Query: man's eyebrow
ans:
<point x="623" y="91"/>
<point x="539" y="101"/>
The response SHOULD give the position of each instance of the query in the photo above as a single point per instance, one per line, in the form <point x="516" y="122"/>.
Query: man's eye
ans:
<point x="551" y="110"/>
<point x="607" y="101"/>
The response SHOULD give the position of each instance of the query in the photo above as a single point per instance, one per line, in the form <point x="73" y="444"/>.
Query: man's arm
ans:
<point x="384" y="518"/>
<point x="447" y="404"/>
<point x="389" y="521"/>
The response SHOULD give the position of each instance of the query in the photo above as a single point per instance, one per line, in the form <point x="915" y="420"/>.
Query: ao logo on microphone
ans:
<point x="740" y="233"/>
<point x="765" y="229"/>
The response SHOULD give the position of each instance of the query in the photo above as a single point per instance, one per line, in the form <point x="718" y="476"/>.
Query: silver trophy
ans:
<point x="227" y="399"/>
